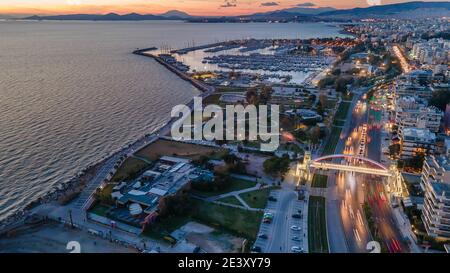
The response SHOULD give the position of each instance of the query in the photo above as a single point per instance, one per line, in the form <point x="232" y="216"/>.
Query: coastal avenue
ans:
<point x="347" y="191"/>
<point x="350" y="193"/>
<point x="403" y="62"/>
<point x="366" y="188"/>
<point x="376" y="194"/>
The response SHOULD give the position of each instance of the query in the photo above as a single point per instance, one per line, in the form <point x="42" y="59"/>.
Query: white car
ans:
<point x="297" y="249"/>
<point x="296" y="228"/>
<point x="268" y="215"/>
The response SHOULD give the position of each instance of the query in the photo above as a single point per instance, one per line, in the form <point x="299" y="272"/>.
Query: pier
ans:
<point x="199" y="85"/>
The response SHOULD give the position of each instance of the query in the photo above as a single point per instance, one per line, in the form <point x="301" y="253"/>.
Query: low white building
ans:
<point x="285" y="91"/>
<point x="304" y="114"/>
<point x="293" y="92"/>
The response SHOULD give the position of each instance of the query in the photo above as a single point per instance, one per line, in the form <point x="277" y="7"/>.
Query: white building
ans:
<point x="411" y="112"/>
<point x="436" y="185"/>
<point x="440" y="69"/>
<point x="406" y="88"/>
<point x="416" y="141"/>
<point x="430" y="52"/>
<point x="304" y="114"/>
<point x="293" y="92"/>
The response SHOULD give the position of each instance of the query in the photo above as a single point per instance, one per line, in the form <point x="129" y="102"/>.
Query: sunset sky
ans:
<point x="194" y="7"/>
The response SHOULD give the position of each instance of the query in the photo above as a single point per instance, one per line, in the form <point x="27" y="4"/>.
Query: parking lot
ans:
<point x="284" y="233"/>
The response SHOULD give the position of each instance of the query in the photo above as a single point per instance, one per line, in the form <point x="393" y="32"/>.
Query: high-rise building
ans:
<point x="436" y="185"/>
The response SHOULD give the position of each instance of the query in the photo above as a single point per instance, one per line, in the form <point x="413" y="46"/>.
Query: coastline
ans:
<point x="66" y="192"/>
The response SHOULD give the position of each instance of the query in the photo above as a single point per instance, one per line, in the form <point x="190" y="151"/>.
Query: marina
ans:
<point x="293" y="61"/>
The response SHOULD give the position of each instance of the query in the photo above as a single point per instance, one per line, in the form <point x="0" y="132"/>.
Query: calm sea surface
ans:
<point x="71" y="92"/>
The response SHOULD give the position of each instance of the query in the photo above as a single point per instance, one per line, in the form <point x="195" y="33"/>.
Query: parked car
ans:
<point x="256" y="249"/>
<point x="297" y="249"/>
<point x="267" y="218"/>
<point x="271" y="198"/>
<point x="296" y="228"/>
<point x="296" y="238"/>
<point x="298" y="216"/>
<point x="262" y="236"/>
<point x="268" y="215"/>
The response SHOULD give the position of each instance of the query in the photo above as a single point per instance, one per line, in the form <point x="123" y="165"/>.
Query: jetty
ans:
<point x="198" y="84"/>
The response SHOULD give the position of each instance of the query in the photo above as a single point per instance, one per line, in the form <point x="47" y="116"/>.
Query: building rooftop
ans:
<point x="411" y="178"/>
<point x="441" y="189"/>
<point x="447" y="144"/>
<point x="444" y="162"/>
<point x="411" y="133"/>
<point x="415" y="73"/>
<point x="167" y="176"/>
<point x="360" y="55"/>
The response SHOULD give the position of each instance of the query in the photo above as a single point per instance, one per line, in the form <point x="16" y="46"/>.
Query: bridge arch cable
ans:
<point x="368" y="160"/>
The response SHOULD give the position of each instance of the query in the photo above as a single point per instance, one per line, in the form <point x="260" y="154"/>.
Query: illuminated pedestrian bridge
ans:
<point x="350" y="163"/>
<point x="377" y="169"/>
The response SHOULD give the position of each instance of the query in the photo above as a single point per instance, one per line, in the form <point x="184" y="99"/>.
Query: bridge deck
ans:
<point x="349" y="168"/>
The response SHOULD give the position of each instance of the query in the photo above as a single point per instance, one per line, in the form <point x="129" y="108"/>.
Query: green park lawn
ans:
<point x="230" y="200"/>
<point x="234" y="185"/>
<point x="333" y="140"/>
<point x="342" y="110"/>
<point x="100" y="210"/>
<point x="165" y="226"/>
<point x="129" y="169"/>
<point x="238" y="221"/>
<point x="256" y="199"/>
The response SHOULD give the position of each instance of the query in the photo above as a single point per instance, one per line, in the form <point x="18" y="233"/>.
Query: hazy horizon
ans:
<point x="192" y="7"/>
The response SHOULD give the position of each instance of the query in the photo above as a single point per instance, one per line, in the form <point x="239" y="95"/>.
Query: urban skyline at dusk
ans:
<point x="225" y="126"/>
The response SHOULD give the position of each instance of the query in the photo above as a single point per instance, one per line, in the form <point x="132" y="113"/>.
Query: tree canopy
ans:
<point x="440" y="99"/>
<point x="276" y="165"/>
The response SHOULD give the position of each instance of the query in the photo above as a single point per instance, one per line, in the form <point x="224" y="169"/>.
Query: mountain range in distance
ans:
<point x="417" y="9"/>
<point x="170" y="15"/>
<point x="428" y="9"/>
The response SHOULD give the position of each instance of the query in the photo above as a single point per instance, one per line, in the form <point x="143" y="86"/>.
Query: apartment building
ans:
<point x="407" y="88"/>
<point x="413" y="112"/>
<point x="433" y="51"/>
<point x="436" y="184"/>
<point x="416" y="141"/>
